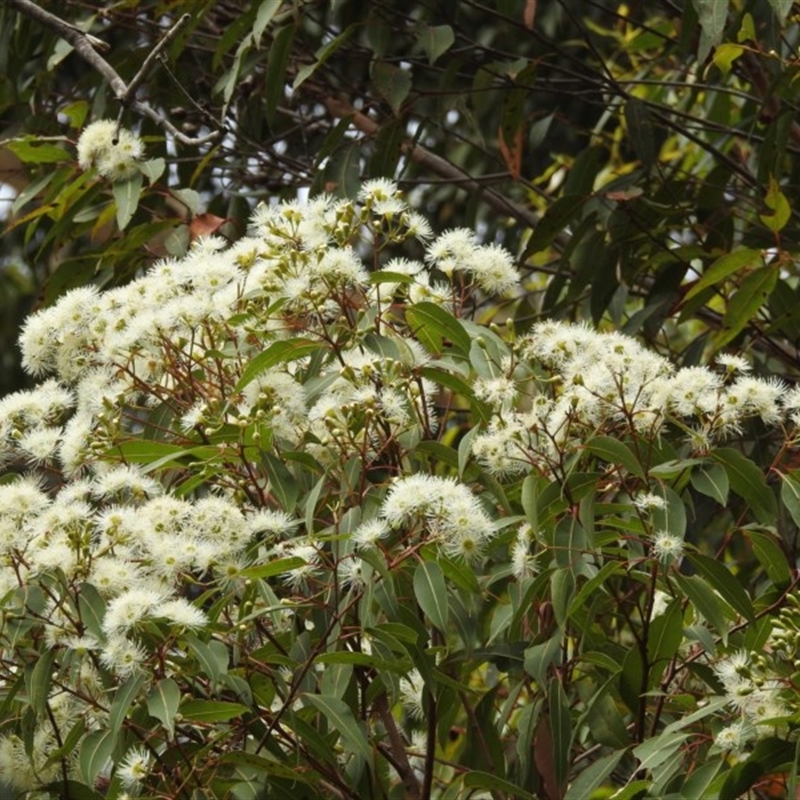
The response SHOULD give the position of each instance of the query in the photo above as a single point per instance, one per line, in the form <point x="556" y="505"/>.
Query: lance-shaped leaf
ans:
<point x="431" y="593"/>
<point x="341" y="718"/>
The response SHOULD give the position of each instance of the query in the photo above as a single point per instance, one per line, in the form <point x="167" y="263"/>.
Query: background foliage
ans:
<point x="640" y="162"/>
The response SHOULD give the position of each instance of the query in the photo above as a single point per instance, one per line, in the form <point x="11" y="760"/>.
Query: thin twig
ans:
<point x="87" y="47"/>
<point x="156" y="53"/>
<point x="440" y="166"/>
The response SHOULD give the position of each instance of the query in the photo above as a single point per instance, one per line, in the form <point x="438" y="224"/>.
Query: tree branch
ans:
<point x="438" y="165"/>
<point x="87" y="47"/>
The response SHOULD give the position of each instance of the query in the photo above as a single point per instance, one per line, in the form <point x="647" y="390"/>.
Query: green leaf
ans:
<point x="476" y="779"/>
<point x="279" y="567"/>
<point x="724" y="266"/>
<point x="431" y="593"/>
<point x="75" y="112"/>
<point x="392" y="82"/>
<point x="92" y="609"/>
<point x="31" y="150"/>
<point x="280" y="352"/>
<point x="770" y="555"/>
<point x="321" y="56"/>
<point x="281" y="481"/>
<point x="725" y="55"/>
<point x="593" y="585"/>
<point x="746" y="302"/>
<point x="213" y="656"/>
<point x="712" y="15"/>
<point x="768" y="756"/>
<point x="593" y="776"/>
<point x="712" y="481"/>
<point x="747" y="480"/>
<point x="276" y="78"/>
<point x="436" y="328"/>
<point x="658" y="749"/>
<point x="341" y="718"/>
<point x="781" y="9"/>
<point x="641" y="131"/>
<point x="539" y="657"/>
<point x="615" y="453"/>
<point x="722" y="581"/>
<point x="163" y="702"/>
<point x="96" y="750"/>
<point x="562" y="590"/>
<point x="124" y="698"/>
<point x="160" y="454"/>
<point x="266" y="11"/>
<point x="436" y="40"/>
<point x="39" y="681"/>
<point x="153" y="169"/>
<point x="779" y="206"/>
<point x="556" y="220"/>
<point x="672" y="516"/>
<point x="665" y="633"/>
<point x="126" y="195"/>
<point x="790" y="494"/>
<point x="343" y="172"/>
<point x="210" y="711"/>
<point x="705" y="601"/>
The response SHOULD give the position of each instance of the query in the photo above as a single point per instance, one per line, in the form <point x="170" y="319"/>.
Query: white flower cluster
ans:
<point x="141" y="549"/>
<point x="167" y="360"/>
<point x="450" y="512"/>
<point x="181" y="334"/>
<point x="113" y="151"/>
<point x="570" y="382"/>
<point x="755" y="695"/>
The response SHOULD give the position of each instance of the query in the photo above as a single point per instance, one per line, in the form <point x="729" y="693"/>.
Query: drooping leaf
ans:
<point x="431" y="593"/>
<point x="125" y="696"/>
<point x="436" y="40"/>
<point x="593" y="776"/>
<point x="163" y="702"/>
<point x="126" y="195"/>
<point x="266" y="11"/>
<point x="747" y="480"/>
<point x="341" y="718"/>
<point x="770" y="554"/>
<point x="706" y="602"/>
<point x="96" y="749"/>
<point x="321" y="56"/>
<point x="392" y="82"/>
<point x="777" y="203"/>
<point x="790" y="494"/>
<point x="712" y="481"/>
<point x="712" y="15"/>
<point x="781" y="9"/>
<point x="722" y="581"/>
<point x="556" y="220"/>
<point x="641" y="131"/>
<point x="437" y="329"/>
<point x="665" y="633"/>
<point x="615" y="452"/>
<point x="724" y="266"/>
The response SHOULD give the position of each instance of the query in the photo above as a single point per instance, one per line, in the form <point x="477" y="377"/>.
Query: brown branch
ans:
<point x="87" y="46"/>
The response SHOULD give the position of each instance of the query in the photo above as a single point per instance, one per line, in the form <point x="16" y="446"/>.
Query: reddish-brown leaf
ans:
<point x="529" y="14"/>
<point x="205" y="225"/>
<point x="511" y="151"/>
